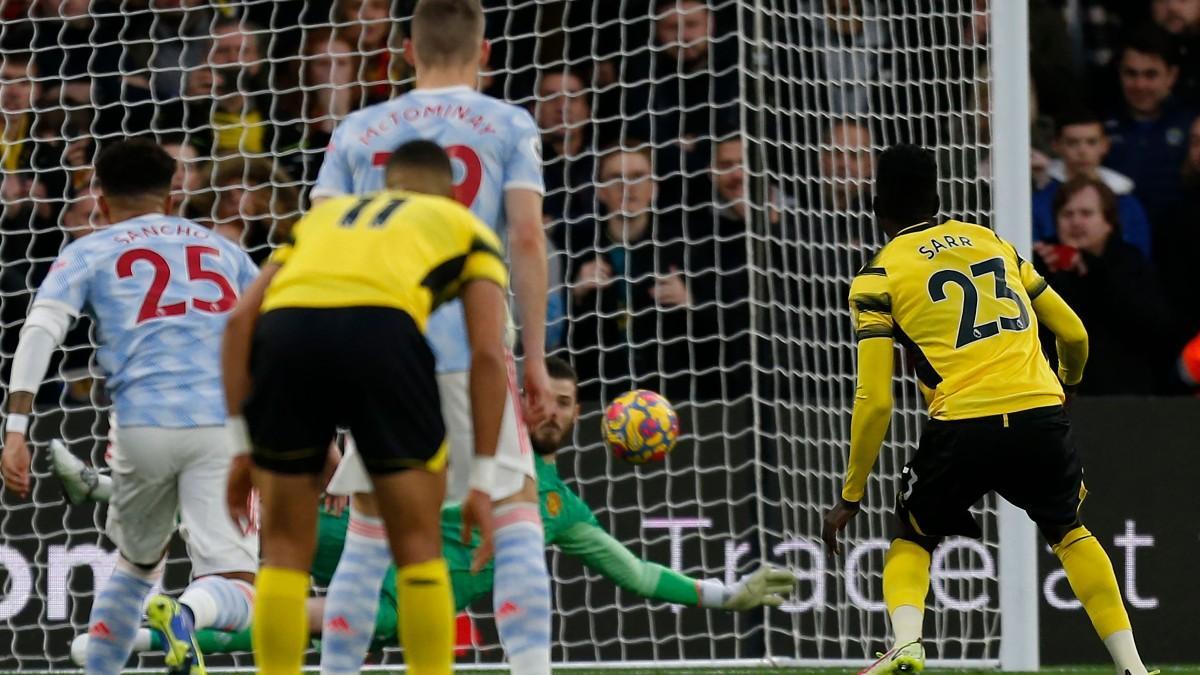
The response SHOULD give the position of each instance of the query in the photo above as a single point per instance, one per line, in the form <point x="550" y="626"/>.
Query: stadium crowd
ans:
<point x="660" y="252"/>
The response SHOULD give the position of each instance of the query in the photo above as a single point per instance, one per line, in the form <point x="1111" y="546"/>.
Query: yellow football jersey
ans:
<point x="960" y="298"/>
<point x="391" y="249"/>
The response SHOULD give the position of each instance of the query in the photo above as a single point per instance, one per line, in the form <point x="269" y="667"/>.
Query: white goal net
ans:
<point x="708" y="166"/>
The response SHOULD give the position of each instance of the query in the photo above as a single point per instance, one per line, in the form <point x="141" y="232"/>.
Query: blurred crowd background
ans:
<point x="674" y="267"/>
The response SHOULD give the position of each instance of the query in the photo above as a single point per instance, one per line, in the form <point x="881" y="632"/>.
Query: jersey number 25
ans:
<point x="968" y="330"/>
<point x="151" y="309"/>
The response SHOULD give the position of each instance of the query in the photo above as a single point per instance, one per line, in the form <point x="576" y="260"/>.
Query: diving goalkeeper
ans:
<point x="568" y="523"/>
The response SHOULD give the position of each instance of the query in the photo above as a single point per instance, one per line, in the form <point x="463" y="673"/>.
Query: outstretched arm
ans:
<point x="604" y="554"/>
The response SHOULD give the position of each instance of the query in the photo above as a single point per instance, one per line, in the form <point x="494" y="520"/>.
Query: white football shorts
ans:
<point x="162" y="477"/>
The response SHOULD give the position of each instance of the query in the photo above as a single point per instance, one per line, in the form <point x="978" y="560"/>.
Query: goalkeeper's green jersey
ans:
<point x="569" y="525"/>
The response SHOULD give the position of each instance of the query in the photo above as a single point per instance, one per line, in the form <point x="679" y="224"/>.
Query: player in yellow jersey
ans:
<point x="340" y="343"/>
<point x="968" y="308"/>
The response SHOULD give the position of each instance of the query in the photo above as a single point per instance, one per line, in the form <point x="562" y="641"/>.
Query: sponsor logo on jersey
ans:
<point x="338" y="624"/>
<point x="553" y="504"/>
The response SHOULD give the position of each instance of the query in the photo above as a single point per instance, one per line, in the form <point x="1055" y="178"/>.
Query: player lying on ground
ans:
<point x="160" y="289"/>
<point x="969" y="308"/>
<point x="336" y="324"/>
<point x="569" y="525"/>
<point x="497" y="147"/>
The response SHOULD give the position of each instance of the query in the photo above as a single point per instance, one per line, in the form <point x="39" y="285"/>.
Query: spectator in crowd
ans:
<point x="846" y="166"/>
<point x="82" y="215"/>
<point x="18" y="91"/>
<point x="693" y="81"/>
<point x="718" y="244"/>
<point x="69" y="54"/>
<point x="1054" y="70"/>
<point x="236" y="54"/>
<point x="1095" y="32"/>
<point x="1149" y="134"/>
<point x="366" y="26"/>
<point x="1177" y="241"/>
<point x="256" y="203"/>
<point x="177" y="29"/>
<point x="29" y="241"/>
<point x="188" y="184"/>
<point x="327" y="89"/>
<point x="1081" y="144"/>
<point x="628" y="291"/>
<point x="1113" y="289"/>
<point x="1181" y="19"/>
<point x="135" y="108"/>
<point x="844" y="41"/>
<point x="564" y="115"/>
<point x="229" y="100"/>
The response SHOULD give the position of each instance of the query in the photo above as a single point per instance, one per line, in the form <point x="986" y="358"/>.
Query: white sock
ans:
<point x="1124" y="653"/>
<point x="353" y="598"/>
<point x="906" y="624"/>
<point x="219" y="602"/>
<point x="141" y="643"/>
<point x="521" y="591"/>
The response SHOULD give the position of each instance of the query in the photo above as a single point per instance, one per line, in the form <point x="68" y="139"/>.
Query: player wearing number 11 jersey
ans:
<point x="496" y="151"/>
<point x="968" y="309"/>
<point x="160" y="289"/>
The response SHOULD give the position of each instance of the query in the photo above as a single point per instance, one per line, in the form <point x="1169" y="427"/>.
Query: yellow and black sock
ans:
<point x="280" y="628"/>
<point x="426" y="609"/>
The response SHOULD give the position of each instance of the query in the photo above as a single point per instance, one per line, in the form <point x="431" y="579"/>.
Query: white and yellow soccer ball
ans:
<point x="640" y="426"/>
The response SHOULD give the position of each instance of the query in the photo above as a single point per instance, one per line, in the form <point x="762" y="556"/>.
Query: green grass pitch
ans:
<point x="1081" y="670"/>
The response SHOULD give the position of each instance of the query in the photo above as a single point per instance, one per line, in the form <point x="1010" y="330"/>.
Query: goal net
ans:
<point x="708" y="202"/>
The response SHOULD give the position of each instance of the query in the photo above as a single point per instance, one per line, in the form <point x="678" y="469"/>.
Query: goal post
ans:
<point x="1013" y="221"/>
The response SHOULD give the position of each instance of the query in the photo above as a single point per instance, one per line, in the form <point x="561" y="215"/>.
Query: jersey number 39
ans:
<point x="968" y="330"/>
<point x="467" y="187"/>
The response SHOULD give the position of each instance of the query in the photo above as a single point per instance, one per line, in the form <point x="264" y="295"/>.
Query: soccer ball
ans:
<point x="640" y="426"/>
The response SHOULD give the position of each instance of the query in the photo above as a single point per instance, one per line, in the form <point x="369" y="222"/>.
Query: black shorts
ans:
<point x="1026" y="457"/>
<point x="368" y="369"/>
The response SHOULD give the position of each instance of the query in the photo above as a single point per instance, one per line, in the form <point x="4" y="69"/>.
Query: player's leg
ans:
<point x="292" y="416"/>
<point x="223" y="559"/>
<point x="410" y="502"/>
<point x="521" y="589"/>
<point x="1049" y="486"/>
<point x="938" y="488"/>
<point x="393" y="414"/>
<point x="80" y="481"/>
<point x="905" y="587"/>
<point x="288" y="539"/>
<point x="351" y="602"/>
<point x="141" y="520"/>
<point x="521" y="592"/>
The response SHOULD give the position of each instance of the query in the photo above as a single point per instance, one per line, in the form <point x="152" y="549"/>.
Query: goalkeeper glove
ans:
<point x="765" y="586"/>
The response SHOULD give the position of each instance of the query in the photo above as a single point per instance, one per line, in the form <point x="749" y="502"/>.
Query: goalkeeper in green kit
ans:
<point x="567" y="521"/>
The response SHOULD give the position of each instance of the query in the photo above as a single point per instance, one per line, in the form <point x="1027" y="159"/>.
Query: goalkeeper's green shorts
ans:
<point x="467" y="588"/>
